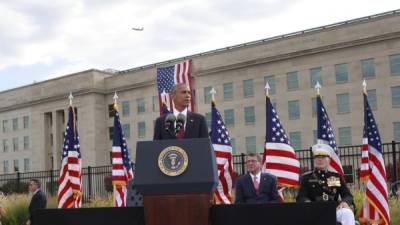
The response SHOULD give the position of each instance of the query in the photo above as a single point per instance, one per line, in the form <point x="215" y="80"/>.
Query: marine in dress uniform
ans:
<point x="324" y="185"/>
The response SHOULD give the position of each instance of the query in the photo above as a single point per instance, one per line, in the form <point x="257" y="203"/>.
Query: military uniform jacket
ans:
<point x="319" y="185"/>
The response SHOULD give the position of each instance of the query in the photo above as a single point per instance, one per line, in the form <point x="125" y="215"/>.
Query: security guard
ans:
<point x="323" y="185"/>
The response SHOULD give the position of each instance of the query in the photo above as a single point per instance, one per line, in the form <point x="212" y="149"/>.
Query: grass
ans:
<point x="16" y="206"/>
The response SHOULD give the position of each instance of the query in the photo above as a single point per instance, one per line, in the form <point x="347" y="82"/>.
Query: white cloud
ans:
<point x="84" y="34"/>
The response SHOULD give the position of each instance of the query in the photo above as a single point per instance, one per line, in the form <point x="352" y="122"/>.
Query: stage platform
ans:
<point x="236" y="214"/>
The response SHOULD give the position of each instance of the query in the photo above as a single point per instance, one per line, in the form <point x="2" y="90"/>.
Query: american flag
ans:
<point x="167" y="77"/>
<point x="326" y="135"/>
<point x="279" y="157"/>
<point x="376" y="208"/>
<point x="121" y="164"/>
<point x="223" y="151"/>
<point x="70" y="181"/>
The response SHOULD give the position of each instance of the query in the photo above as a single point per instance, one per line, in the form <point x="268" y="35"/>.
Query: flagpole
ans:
<point x="364" y="183"/>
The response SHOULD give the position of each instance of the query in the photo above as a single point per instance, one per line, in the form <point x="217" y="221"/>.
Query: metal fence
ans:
<point x="97" y="180"/>
<point x="350" y="157"/>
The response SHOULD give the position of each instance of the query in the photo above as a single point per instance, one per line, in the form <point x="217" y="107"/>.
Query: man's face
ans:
<point x="322" y="162"/>
<point x="181" y="96"/>
<point x="253" y="165"/>
<point x="32" y="186"/>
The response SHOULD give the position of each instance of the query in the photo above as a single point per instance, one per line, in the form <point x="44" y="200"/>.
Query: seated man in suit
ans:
<point x="324" y="185"/>
<point x="255" y="186"/>
<point x="39" y="199"/>
<point x="194" y="126"/>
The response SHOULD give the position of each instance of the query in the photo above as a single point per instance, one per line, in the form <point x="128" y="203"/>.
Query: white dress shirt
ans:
<point x="176" y="113"/>
<point x="258" y="177"/>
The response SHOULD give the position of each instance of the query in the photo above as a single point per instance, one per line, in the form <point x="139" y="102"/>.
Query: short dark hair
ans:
<point x="176" y="86"/>
<point x="36" y="181"/>
<point x="252" y="154"/>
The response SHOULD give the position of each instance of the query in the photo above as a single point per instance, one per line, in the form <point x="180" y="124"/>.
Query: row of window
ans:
<point x="292" y="78"/>
<point x="140" y="107"/>
<point x="126" y="130"/>
<point x="16" y="166"/>
<point x="15" y="144"/>
<point x="344" y="138"/>
<point x="343" y="106"/>
<point x="15" y="124"/>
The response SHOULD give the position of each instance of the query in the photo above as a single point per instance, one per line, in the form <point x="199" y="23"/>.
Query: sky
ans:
<point x="44" y="39"/>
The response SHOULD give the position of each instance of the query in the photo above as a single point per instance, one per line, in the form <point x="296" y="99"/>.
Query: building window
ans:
<point x="111" y="110"/>
<point x="341" y="73"/>
<point x="395" y="64"/>
<point x="27" y="166"/>
<point x="141" y="129"/>
<point x="141" y="108"/>
<point x="5" y="126"/>
<point x="348" y="174"/>
<point x="248" y="90"/>
<point x="249" y="115"/>
<point x="26" y="122"/>
<point x="5" y="145"/>
<point x="343" y="103"/>
<point x="229" y="117"/>
<point x="272" y="83"/>
<point x="207" y="95"/>
<point x="5" y="167"/>
<point x="396" y="131"/>
<point x="155" y="104"/>
<point x="26" y="142"/>
<point x="110" y="132"/>
<point x="228" y="91"/>
<point x="15" y="144"/>
<point x="15" y="124"/>
<point x="292" y="80"/>
<point x="367" y="68"/>
<point x="371" y="96"/>
<point x="126" y="129"/>
<point x="208" y="119"/>
<point x="315" y="75"/>
<point x="295" y="140"/>
<point x="344" y="136"/>
<point x="314" y="106"/>
<point x="395" y="97"/>
<point x="315" y="137"/>
<point x="125" y="108"/>
<point x="294" y="109"/>
<point x="233" y="144"/>
<point x="16" y="165"/>
<point x="251" y="146"/>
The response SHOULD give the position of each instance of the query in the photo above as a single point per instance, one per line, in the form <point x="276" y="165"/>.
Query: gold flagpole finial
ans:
<point x="213" y="92"/>
<point x="70" y="97"/>
<point x="317" y="87"/>
<point x="267" y="88"/>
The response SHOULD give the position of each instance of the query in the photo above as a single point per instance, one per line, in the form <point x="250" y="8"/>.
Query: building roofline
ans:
<point x="270" y="39"/>
<point x="54" y="79"/>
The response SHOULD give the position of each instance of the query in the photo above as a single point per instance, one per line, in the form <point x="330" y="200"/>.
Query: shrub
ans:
<point x="13" y="186"/>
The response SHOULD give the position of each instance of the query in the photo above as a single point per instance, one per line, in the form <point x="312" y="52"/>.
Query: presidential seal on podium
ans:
<point x="173" y="161"/>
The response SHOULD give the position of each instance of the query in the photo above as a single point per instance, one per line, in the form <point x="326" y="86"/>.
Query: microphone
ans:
<point x="169" y="121"/>
<point x="180" y="121"/>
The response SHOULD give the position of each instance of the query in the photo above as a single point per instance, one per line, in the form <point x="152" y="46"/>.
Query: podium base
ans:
<point x="177" y="209"/>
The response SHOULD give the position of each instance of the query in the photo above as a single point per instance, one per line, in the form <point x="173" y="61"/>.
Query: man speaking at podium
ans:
<point x="181" y="123"/>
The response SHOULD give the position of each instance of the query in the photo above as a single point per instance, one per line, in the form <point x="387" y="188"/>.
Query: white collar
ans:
<point x="184" y="112"/>
<point x="258" y="176"/>
<point x="36" y="191"/>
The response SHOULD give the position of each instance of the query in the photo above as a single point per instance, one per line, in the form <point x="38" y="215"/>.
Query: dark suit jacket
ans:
<point x="39" y="201"/>
<point x="246" y="193"/>
<point x="196" y="127"/>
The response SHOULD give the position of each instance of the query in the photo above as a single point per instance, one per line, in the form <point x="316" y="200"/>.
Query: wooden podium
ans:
<point x="177" y="179"/>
